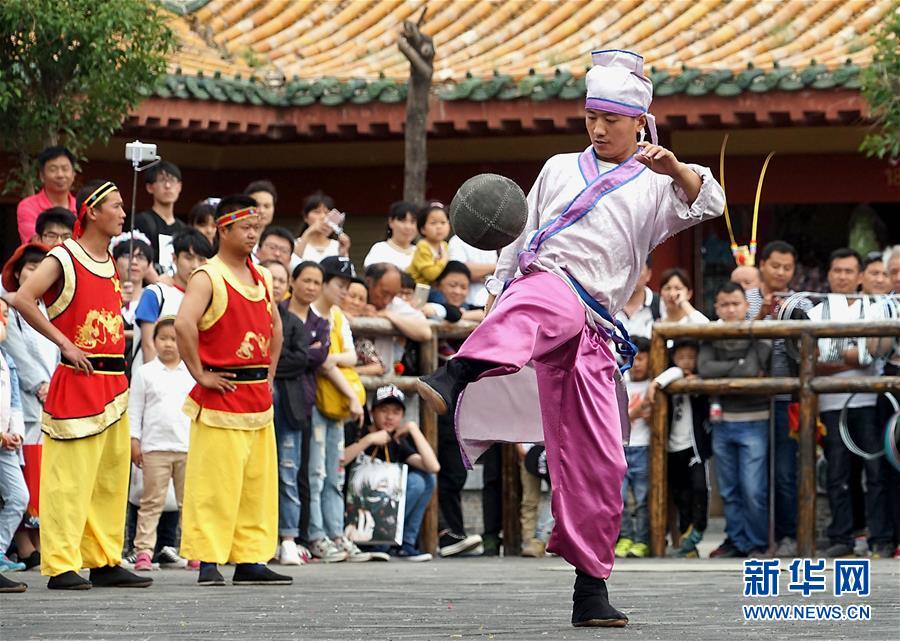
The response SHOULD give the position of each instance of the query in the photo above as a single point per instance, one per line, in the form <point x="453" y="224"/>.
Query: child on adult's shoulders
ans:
<point x="432" y="252"/>
<point x="391" y="439"/>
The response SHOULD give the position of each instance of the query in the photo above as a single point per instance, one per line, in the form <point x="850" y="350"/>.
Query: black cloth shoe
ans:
<point x="115" y="576"/>
<point x="441" y="390"/>
<point x="727" y="551"/>
<point x="258" y="574"/>
<point x="491" y="545"/>
<point x="32" y="561"/>
<point x="68" y="581"/>
<point x="210" y="575"/>
<point x="6" y="585"/>
<point x="838" y="550"/>
<point x="591" y="606"/>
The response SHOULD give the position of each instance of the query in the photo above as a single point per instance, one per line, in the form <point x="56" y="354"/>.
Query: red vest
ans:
<point x="234" y="334"/>
<point x="86" y="306"/>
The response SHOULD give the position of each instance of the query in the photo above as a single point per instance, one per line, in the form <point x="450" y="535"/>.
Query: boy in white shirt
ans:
<point x="192" y="250"/>
<point x="159" y="433"/>
<point x="635" y="534"/>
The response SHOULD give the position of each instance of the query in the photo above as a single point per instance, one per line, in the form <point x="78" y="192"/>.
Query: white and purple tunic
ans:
<point x="589" y="231"/>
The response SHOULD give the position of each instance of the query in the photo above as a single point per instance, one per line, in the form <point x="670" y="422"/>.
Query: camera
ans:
<point x="138" y="151"/>
<point x="335" y="220"/>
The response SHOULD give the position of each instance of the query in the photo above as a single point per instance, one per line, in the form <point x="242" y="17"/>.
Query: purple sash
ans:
<point x="597" y="186"/>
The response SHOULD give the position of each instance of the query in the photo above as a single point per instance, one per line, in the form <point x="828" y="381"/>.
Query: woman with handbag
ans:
<point x="339" y="397"/>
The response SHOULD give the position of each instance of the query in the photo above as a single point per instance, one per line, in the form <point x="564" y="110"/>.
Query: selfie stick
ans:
<point x="137" y="152"/>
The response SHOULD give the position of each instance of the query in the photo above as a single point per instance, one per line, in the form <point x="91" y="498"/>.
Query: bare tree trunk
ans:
<point x="419" y="50"/>
<point x="27" y="163"/>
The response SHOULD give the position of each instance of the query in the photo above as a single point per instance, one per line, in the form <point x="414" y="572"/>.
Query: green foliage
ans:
<point x="881" y="89"/>
<point x="70" y="70"/>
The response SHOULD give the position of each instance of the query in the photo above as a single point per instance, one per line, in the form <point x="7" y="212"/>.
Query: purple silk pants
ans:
<point x="540" y="320"/>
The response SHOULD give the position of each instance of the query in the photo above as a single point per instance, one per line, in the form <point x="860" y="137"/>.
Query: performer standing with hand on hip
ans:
<point x="593" y="218"/>
<point x="85" y="467"/>
<point x="229" y="336"/>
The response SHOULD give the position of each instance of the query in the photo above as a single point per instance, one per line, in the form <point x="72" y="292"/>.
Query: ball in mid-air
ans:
<point x="488" y="211"/>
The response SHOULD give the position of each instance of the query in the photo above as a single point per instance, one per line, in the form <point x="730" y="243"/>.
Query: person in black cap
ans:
<point x="339" y="397"/>
<point x="389" y="438"/>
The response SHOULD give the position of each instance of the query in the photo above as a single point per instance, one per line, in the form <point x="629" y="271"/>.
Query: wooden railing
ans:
<point x="806" y="385"/>
<point x="428" y="362"/>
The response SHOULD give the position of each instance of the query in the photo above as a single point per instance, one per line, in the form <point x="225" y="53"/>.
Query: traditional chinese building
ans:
<point x="310" y="94"/>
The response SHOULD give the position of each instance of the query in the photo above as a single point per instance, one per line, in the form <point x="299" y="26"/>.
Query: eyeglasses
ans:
<point x="275" y="248"/>
<point x="52" y="237"/>
<point x="167" y="180"/>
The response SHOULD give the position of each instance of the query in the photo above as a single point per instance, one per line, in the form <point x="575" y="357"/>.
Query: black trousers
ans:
<point x="884" y="410"/>
<point x="861" y="422"/>
<point x="492" y="492"/>
<point x="689" y="488"/>
<point x="303" y="481"/>
<point x="451" y="478"/>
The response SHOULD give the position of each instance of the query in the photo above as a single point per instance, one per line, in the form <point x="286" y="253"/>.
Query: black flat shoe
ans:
<point x="115" y="576"/>
<point x="591" y="606"/>
<point x="68" y="581"/>
<point x="7" y="585"/>
<point x="441" y="390"/>
<point x="33" y="560"/>
<point x="258" y="574"/>
<point x="436" y="390"/>
<point x="210" y="575"/>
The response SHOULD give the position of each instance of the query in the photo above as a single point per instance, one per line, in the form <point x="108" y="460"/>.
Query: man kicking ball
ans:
<point x="593" y="218"/>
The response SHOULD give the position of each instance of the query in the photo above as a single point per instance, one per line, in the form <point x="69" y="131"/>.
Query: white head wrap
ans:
<point x="617" y="84"/>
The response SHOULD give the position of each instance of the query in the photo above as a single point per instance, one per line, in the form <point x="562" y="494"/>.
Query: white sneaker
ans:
<point x="304" y="553"/>
<point x="354" y="554"/>
<point x="169" y="558"/>
<point x="787" y="548"/>
<point x="325" y="550"/>
<point x="288" y="554"/>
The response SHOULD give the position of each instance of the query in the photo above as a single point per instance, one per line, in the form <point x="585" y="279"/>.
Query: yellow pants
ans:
<point x="230" y="512"/>
<point x="84" y="488"/>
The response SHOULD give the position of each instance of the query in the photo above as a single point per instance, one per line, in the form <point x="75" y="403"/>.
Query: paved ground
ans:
<point x="446" y="599"/>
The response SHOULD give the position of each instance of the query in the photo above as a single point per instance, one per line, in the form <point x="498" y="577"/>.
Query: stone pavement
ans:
<point x="446" y="599"/>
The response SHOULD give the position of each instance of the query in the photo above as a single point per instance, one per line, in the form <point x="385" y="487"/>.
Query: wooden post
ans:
<point x="418" y="48"/>
<point x="428" y="361"/>
<point x="806" y="491"/>
<point x="659" y="513"/>
<point x="512" y="499"/>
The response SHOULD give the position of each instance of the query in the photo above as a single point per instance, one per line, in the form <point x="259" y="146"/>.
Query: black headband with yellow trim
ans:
<point x="96" y="196"/>
<point x="230" y="218"/>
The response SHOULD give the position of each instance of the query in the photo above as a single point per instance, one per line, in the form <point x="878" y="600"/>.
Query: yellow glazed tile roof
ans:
<point x="347" y="39"/>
